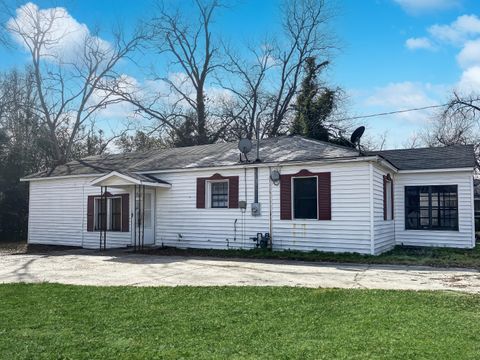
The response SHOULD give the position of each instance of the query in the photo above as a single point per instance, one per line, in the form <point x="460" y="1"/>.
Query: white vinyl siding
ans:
<point x="349" y="229"/>
<point x="464" y="237"/>
<point x="58" y="214"/>
<point x="384" y="236"/>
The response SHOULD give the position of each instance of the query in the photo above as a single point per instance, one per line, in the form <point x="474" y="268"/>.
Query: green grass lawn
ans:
<point x="400" y="255"/>
<point x="73" y="322"/>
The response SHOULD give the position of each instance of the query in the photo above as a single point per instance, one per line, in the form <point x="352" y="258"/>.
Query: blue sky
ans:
<point x="394" y="54"/>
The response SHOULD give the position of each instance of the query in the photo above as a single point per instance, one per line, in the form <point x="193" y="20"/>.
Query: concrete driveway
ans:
<point x="81" y="267"/>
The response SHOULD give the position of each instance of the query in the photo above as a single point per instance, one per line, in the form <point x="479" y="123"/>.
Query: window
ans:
<point x="219" y="194"/>
<point x="108" y="214"/>
<point x="431" y="207"/>
<point x="116" y="214"/>
<point x="305" y="198"/>
<point x="388" y="198"/>
<point x="100" y="214"/>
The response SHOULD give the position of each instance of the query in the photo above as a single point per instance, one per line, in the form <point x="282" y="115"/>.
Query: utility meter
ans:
<point x="255" y="209"/>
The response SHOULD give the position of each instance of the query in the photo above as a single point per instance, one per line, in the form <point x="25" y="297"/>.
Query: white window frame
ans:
<point x="208" y="193"/>
<point x="109" y="213"/>
<point x="292" y="190"/>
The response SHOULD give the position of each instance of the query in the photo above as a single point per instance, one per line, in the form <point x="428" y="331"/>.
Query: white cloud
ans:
<point x="463" y="33"/>
<point x="419" y="43"/>
<point x="65" y="36"/>
<point x="117" y="110"/>
<point x="470" y="54"/>
<point x="463" y="28"/>
<point x="470" y="80"/>
<point x="406" y="95"/>
<point x="421" y="6"/>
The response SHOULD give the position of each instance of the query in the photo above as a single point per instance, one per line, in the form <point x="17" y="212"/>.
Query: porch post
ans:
<point x="135" y="218"/>
<point x="103" y="220"/>
<point x="143" y="216"/>
<point x="106" y="221"/>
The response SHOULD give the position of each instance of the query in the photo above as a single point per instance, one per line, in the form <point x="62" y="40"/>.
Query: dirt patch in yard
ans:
<point x="21" y="247"/>
<point x="13" y="247"/>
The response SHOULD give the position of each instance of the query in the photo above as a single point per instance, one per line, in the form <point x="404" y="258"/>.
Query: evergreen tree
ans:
<point x="314" y="104"/>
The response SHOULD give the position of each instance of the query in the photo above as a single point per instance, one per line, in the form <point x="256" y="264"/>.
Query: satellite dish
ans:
<point x="357" y="134"/>
<point x="275" y="176"/>
<point x="244" y="145"/>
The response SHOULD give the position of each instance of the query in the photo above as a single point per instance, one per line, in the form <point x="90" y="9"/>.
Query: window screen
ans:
<point x="100" y="214"/>
<point x="108" y="214"/>
<point x="116" y="214"/>
<point x="305" y="198"/>
<point x="219" y="194"/>
<point x="431" y="207"/>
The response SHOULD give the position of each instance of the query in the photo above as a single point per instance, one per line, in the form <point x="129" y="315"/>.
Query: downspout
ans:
<point x="372" y="214"/>
<point x="243" y="212"/>
<point x="394" y="179"/>
<point x="472" y="192"/>
<point x="83" y="212"/>
<point x="255" y="184"/>
<point x="270" y="224"/>
<point x="29" y="227"/>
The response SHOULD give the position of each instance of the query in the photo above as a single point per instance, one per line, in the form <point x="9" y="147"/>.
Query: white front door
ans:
<point x="149" y="225"/>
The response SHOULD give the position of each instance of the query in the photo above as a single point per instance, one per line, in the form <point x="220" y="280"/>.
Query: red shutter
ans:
<point x="233" y="192"/>
<point x="384" y="197"/>
<point x="90" y="212"/>
<point x="324" y="196"/>
<point x="200" y="193"/>
<point x="285" y="197"/>
<point x="125" y="212"/>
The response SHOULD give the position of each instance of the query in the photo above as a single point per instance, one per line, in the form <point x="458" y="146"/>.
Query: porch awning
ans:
<point x="122" y="179"/>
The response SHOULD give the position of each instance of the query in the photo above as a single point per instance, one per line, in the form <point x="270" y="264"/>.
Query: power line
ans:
<point x="394" y="112"/>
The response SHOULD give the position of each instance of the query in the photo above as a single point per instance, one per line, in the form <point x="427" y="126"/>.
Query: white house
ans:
<point x="307" y="194"/>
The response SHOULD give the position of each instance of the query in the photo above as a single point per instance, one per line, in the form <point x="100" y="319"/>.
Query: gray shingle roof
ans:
<point x="279" y="149"/>
<point x="455" y="156"/>
<point x="143" y="177"/>
<point x="275" y="150"/>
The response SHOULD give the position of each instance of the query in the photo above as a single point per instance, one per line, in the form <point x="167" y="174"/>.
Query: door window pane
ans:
<point x="148" y="210"/>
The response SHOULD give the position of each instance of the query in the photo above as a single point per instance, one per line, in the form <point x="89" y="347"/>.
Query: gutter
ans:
<point x="426" y="171"/>
<point x="62" y="177"/>
<point x="372" y="212"/>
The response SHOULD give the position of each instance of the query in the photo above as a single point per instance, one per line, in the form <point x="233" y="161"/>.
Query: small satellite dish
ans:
<point x="356" y="135"/>
<point x="244" y="145"/>
<point x="275" y="176"/>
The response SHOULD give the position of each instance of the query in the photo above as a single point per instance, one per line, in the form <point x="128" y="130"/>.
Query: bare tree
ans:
<point x="413" y="141"/>
<point x="67" y="82"/>
<point x="4" y="13"/>
<point x="459" y="123"/>
<point x="250" y="104"/>
<point x="194" y="52"/>
<point x="304" y="25"/>
<point x="467" y="106"/>
<point x="193" y="55"/>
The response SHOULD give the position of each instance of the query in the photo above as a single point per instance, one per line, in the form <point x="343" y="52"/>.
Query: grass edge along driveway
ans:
<point x="46" y="321"/>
